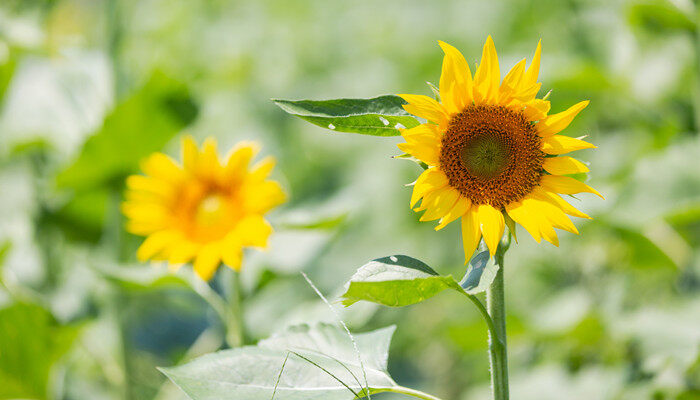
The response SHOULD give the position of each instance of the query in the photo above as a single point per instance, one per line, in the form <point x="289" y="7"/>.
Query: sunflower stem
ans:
<point x="495" y="304"/>
<point x="235" y="335"/>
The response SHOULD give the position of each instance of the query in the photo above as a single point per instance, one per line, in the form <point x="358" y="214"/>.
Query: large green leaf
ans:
<point x="140" y="125"/>
<point x="399" y="280"/>
<point x="30" y="343"/>
<point x="379" y="116"/>
<point x="292" y="366"/>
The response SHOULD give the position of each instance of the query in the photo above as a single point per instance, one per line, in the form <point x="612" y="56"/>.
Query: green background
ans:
<point x="88" y="88"/>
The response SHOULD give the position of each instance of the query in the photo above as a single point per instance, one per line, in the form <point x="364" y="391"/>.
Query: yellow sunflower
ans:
<point x="202" y="210"/>
<point x="494" y="153"/>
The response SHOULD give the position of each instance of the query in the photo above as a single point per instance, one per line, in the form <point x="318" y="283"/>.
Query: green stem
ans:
<point x="495" y="303"/>
<point x="412" y="392"/>
<point x="235" y="335"/>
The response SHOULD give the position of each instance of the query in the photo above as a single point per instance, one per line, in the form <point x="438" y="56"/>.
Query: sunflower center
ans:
<point x="492" y="155"/>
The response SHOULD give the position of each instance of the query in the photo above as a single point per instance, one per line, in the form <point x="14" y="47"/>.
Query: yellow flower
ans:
<point x="202" y="210"/>
<point x="493" y="152"/>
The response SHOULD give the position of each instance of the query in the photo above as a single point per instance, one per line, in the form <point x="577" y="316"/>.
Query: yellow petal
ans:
<point x="183" y="251"/>
<point x="239" y="158"/>
<point x="431" y="179"/>
<point x="461" y="206"/>
<point x="442" y="203"/>
<point x="488" y="75"/>
<point x="425" y="107"/>
<point x="190" y="153"/>
<point x="471" y="234"/>
<point x="429" y="153"/>
<point x="564" y="166"/>
<point x="522" y="213"/>
<point x="254" y="231"/>
<point x="511" y="226"/>
<point x="208" y="164"/>
<point x="208" y="261"/>
<point x="455" y="69"/>
<point x="512" y="81"/>
<point x="556" y="123"/>
<point x="536" y="109"/>
<point x="155" y="243"/>
<point x="262" y="169"/>
<point x="160" y="166"/>
<point x="232" y="256"/>
<point x="558" y="144"/>
<point x="491" y="224"/>
<point x="154" y="186"/>
<point x="533" y="71"/>
<point x="261" y="197"/>
<point x="556" y="200"/>
<point x="566" y="185"/>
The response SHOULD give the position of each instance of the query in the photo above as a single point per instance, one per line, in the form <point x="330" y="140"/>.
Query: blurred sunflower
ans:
<point x="202" y="210"/>
<point x="493" y="152"/>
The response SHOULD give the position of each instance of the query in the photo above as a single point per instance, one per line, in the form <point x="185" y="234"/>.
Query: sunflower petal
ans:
<point x="558" y="144"/>
<point x="155" y="243"/>
<point x="566" y="185"/>
<point x="456" y="69"/>
<point x="556" y="200"/>
<point x="564" y="166"/>
<point x="431" y="179"/>
<point x="425" y="107"/>
<point x="556" y="123"/>
<point x="461" y="206"/>
<point x="536" y="109"/>
<point x="207" y="261"/>
<point x="190" y="153"/>
<point x="533" y="71"/>
<point x="488" y="75"/>
<point x="471" y="235"/>
<point x="491" y="224"/>
<point x="441" y="204"/>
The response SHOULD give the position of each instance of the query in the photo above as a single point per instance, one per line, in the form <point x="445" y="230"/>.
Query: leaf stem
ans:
<point x="495" y="303"/>
<point x="411" y="392"/>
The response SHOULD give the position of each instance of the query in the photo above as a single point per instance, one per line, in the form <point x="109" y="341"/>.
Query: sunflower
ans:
<point x="493" y="152"/>
<point x="202" y="210"/>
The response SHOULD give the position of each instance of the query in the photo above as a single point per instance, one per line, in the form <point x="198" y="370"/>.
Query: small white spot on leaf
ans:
<point x="331" y="126"/>
<point x="384" y="120"/>
<point x="399" y="126"/>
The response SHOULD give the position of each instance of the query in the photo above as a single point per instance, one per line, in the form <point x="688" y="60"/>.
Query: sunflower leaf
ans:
<point x="319" y="363"/>
<point x="379" y="116"/>
<point x="480" y="274"/>
<point x="396" y="281"/>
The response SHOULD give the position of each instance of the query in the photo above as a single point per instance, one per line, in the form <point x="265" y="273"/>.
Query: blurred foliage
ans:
<point x="89" y="87"/>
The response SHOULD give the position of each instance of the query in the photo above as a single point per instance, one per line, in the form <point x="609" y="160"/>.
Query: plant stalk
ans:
<point x="235" y="335"/>
<point x="495" y="304"/>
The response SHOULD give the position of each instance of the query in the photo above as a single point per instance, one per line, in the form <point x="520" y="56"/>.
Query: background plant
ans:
<point x="610" y="314"/>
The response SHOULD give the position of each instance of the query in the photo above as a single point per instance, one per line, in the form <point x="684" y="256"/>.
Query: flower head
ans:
<point x="494" y="152"/>
<point x="203" y="210"/>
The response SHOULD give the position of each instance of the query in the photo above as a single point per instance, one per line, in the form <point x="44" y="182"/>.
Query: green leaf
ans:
<point x="396" y="281"/>
<point x="399" y="280"/>
<point x="255" y="372"/>
<point x="379" y="116"/>
<point x="30" y="343"/>
<point x="140" y="125"/>
<point x="480" y="274"/>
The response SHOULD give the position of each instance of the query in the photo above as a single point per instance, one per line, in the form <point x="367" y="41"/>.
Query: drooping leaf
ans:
<point x="31" y="341"/>
<point x="379" y="116"/>
<point x="140" y="125"/>
<point x="143" y="277"/>
<point x="480" y="274"/>
<point x="316" y="361"/>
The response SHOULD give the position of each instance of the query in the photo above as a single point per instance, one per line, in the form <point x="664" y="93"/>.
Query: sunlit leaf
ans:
<point x="316" y="361"/>
<point x="661" y="16"/>
<point x="379" y="116"/>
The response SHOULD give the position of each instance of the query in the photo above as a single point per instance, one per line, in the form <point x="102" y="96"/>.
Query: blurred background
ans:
<point x="90" y="87"/>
